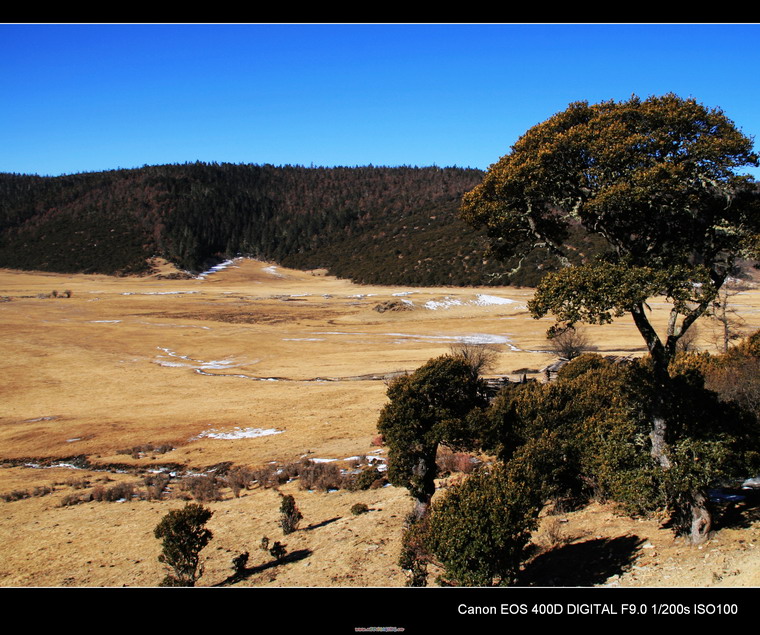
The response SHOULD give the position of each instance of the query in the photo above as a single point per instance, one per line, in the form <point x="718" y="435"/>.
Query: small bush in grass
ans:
<point x="290" y="515"/>
<point x="120" y="491"/>
<point x="359" y="508"/>
<point x="15" y="495"/>
<point x="239" y="563"/>
<point x="320" y="476"/>
<point x="277" y="550"/>
<point x="366" y="478"/>
<point x="203" y="488"/>
<point x="155" y="484"/>
<point x="184" y="535"/>
<point x="239" y="478"/>
<point x="270" y="476"/>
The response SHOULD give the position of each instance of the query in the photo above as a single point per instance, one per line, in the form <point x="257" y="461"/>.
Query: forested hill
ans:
<point x="369" y="224"/>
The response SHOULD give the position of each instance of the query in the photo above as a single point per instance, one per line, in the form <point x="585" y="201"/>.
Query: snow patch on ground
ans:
<point x="472" y="338"/>
<point x="159" y="292"/>
<point x="272" y="270"/>
<point x="239" y="433"/>
<point x="481" y="299"/>
<point x="197" y="364"/>
<point x="490" y="300"/>
<point x="215" y="269"/>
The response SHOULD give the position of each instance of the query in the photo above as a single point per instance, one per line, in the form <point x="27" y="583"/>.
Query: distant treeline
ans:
<point x="369" y="224"/>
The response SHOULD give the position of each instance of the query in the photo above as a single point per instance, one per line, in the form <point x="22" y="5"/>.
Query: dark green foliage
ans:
<point x="658" y="181"/>
<point x="290" y="515"/>
<point x="359" y="508"/>
<point x="598" y="413"/>
<point x="366" y="478"/>
<point x="480" y="529"/>
<point x="415" y="556"/>
<point x="427" y="408"/>
<point x="184" y="535"/>
<point x="370" y="224"/>
<point x="278" y="550"/>
<point x="239" y="562"/>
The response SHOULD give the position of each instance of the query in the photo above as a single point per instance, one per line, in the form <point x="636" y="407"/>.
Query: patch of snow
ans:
<point x="159" y="292"/>
<point x="239" y="433"/>
<point x="474" y="338"/>
<point x="272" y="270"/>
<point x="105" y="321"/>
<point x="489" y="300"/>
<point x="481" y="299"/>
<point x="219" y="267"/>
<point x="446" y="303"/>
<point x="197" y="364"/>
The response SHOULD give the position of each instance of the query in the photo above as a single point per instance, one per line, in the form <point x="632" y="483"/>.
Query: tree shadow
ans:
<point x="322" y="524"/>
<point x="736" y="508"/>
<point x="581" y="564"/>
<point x="294" y="556"/>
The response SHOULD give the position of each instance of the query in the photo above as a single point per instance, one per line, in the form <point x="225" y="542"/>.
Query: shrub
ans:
<point x="119" y="491"/>
<point x="203" y="488"/>
<point x="290" y="515"/>
<point x="239" y="562"/>
<point x="449" y="462"/>
<point x="155" y="484"/>
<point x="415" y="557"/>
<point x="569" y="343"/>
<point x="480" y="529"/>
<point x="366" y="478"/>
<point x="320" y="476"/>
<point x="239" y="478"/>
<point x="359" y="508"/>
<point x="183" y="535"/>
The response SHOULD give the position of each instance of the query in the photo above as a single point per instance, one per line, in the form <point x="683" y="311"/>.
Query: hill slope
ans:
<point x="369" y="224"/>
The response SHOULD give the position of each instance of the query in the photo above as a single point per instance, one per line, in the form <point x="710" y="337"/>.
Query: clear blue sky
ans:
<point x="81" y="98"/>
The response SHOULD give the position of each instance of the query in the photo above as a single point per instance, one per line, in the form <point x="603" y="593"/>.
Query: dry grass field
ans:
<point x="105" y="379"/>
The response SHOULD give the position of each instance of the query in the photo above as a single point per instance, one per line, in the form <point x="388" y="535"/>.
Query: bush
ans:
<point x="155" y="484"/>
<point x="569" y="343"/>
<point x="290" y="515"/>
<point x="203" y="488"/>
<point x="359" y="508"/>
<point x="320" y="476"/>
<point x="366" y="478"/>
<point x="183" y="535"/>
<point x="120" y="491"/>
<point x="480" y="529"/>
<point x="239" y="478"/>
<point x="449" y="462"/>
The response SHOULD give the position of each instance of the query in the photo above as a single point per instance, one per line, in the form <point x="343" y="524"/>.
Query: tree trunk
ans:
<point x="701" y="518"/>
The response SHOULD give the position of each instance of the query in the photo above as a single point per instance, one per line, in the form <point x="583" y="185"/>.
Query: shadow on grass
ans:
<point x="322" y="524"/>
<point x="581" y="564"/>
<point x="295" y="556"/>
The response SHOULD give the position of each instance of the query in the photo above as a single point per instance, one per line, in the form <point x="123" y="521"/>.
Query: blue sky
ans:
<point x="83" y="97"/>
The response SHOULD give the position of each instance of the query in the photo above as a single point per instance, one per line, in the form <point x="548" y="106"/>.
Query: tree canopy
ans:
<point x="657" y="179"/>
<point x="426" y="408"/>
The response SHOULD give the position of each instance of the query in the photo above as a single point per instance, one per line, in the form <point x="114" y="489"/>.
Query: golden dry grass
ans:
<point x="128" y="362"/>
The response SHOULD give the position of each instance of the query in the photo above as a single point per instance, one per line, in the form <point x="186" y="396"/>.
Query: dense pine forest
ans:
<point x="369" y="224"/>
